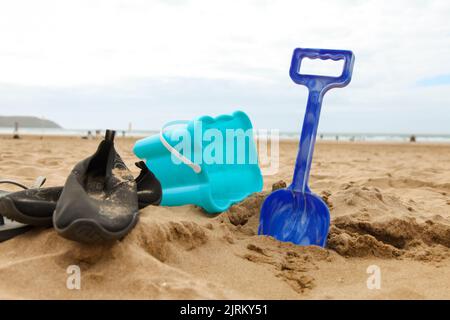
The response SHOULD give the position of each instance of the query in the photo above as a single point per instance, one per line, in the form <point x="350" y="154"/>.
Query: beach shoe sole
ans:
<point x="12" y="229"/>
<point x="10" y="211"/>
<point x="90" y="231"/>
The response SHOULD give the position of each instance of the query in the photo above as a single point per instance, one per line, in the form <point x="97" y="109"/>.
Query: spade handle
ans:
<point x="317" y="86"/>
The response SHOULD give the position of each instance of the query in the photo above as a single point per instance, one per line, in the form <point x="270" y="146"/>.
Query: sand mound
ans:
<point x="389" y="206"/>
<point x="128" y="269"/>
<point x="148" y="262"/>
<point x="384" y="225"/>
<point x="391" y="238"/>
<point x="362" y="234"/>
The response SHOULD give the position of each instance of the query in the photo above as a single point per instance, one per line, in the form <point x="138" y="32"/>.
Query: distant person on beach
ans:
<point x="16" y="131"/>
<point x="88" y="136"/>
<point x="412" y="138"/>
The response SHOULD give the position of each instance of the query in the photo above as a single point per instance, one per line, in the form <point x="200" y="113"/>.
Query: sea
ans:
<point x="327" y="136"/>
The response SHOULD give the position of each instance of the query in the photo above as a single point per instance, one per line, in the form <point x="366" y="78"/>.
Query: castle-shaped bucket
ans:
<point x="208" y="162"/>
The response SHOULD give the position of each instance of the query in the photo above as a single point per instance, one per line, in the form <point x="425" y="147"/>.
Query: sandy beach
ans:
<point x="389" y="203"/>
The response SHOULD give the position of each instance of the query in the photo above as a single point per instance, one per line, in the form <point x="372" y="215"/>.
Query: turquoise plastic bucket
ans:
<point x="208" y="162"/>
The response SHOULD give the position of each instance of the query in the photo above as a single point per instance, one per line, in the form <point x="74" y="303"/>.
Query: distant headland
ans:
<point x="27" y="122"/>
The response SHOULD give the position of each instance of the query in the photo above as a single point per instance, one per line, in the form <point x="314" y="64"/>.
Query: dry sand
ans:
<point x="390" y="207"/>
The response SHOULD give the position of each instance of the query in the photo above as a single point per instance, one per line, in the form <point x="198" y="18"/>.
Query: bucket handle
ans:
<point x="195" y="167"/>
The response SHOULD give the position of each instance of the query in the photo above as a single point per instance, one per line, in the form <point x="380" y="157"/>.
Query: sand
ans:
<point x="390" y="208"/>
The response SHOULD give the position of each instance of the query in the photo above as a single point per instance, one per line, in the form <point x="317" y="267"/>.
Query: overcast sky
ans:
<point x="99" y="64"/>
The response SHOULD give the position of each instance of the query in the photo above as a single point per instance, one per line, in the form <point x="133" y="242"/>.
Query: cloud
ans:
<point x="141" y="58"/>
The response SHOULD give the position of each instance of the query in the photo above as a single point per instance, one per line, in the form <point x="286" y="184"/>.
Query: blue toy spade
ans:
<point x="296" y="214"/>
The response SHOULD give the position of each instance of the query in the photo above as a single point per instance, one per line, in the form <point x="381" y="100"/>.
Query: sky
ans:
<point x="91" y="64"/>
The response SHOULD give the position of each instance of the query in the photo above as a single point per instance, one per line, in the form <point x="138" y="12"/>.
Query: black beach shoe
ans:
<point x="35" y="206"/>
<point x="8" y="228"/>
<point x="99" y="201"/>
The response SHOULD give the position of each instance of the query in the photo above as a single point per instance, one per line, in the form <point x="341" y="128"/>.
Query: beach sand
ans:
<point x="390" y="208"/>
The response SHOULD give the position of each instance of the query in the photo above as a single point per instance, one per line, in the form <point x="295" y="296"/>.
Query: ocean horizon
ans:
<point x="284" y="135"/>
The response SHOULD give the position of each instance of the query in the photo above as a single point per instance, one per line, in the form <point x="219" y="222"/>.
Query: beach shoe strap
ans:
<point x="37" y="183"/>
<point x="143" y="173"/>
<point x="109" y="135"/>
<point x="140" y="164"/>
<point x="13" y="183"/>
